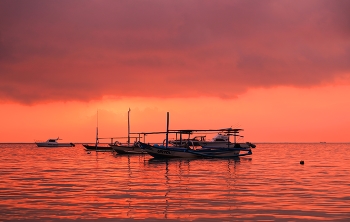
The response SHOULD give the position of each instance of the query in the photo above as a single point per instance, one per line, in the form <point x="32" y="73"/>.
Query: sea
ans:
<point x="272" y="184"/>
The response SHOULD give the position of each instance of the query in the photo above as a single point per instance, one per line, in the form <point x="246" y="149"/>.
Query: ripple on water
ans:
<point x="69" y="184"/>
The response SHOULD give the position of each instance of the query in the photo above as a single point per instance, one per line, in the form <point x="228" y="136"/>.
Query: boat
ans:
<point x="126" y="148"/>
<point x="183" y="150"/>
<point x="161" y="151"/>
<point x="222" y="139"/>
<point x="54" y="143"/>
<point x="95" y="147"/>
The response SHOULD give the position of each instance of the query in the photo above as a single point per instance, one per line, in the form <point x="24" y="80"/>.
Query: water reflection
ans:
<point x="69" y="184"/>
<point x="196" y="183"/>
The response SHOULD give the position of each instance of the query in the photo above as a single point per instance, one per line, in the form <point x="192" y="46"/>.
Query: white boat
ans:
<point x="53" y="143"/>
<point x="222" y="139"/>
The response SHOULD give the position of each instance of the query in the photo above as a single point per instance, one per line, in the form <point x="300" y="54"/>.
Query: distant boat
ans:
<point x="54" y="143"/>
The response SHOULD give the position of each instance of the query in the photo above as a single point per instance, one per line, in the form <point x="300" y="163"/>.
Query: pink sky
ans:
<point x="278" y="69"/>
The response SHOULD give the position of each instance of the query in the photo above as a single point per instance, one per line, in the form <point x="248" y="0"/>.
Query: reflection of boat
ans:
<point x="226" y="149"/>
<point x="53" y="143"/>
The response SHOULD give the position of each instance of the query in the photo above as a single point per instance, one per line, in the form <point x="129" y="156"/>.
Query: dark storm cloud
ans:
<point x="84" y="50"/>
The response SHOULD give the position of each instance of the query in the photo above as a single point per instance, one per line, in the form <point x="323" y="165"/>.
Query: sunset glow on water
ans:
<point x="56" y="184"/>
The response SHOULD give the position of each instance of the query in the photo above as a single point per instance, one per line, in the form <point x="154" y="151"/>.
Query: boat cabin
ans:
<point x="220" y="137"/>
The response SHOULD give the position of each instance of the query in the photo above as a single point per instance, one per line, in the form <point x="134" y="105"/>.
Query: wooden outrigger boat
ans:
<point x="225" y="150"/>
<point x="96" y="147"/>
<point x="114" y="146"/>
<point x="128" y="147"/>
<point x="160" y="151"/>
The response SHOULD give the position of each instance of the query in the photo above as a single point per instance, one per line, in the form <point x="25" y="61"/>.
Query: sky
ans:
<point x="279" y="69"/>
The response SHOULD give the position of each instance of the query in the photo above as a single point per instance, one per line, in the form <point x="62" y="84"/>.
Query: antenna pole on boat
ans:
<point x="228" y="139"/>
<point x="235" y="134"/>
<point x="167" y="129"/>
<point x="129" y="127"/>
<point x="96" y="132"/>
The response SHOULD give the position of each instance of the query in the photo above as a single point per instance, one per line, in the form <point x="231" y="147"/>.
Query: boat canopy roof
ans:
<point x="120" y="137"/>
<point x="190" y="131"/>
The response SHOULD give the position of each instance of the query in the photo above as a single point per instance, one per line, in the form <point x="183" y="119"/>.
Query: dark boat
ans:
<point x="126" y="148"/>
<point x="97" y="148"/>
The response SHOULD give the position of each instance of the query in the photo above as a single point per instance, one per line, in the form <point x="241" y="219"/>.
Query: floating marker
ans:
<point x="301" y="161"/>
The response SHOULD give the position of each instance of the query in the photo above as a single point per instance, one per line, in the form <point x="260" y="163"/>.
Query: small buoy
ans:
<point x="88" y="152"/>
<point x="301" y="161"/>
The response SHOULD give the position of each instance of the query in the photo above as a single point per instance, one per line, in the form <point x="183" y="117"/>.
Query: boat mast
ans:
<point x="167" y="130"/>
<point x="129" y="127"/>
<point x="96" y="130"/>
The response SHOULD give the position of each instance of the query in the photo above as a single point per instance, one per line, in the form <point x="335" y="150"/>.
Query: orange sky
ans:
<point x="278" y="69"/>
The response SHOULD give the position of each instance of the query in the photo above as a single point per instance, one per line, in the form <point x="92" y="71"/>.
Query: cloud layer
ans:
<point x="84" y="50"/>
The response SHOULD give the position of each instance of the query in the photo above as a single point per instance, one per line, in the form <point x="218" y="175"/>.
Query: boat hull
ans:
<point x="182" y="152"/>
<point x="163" y="152"/>
<point x="97" y="148"/>
<point x="219" y="144"/>
<point x="55" y="145"/>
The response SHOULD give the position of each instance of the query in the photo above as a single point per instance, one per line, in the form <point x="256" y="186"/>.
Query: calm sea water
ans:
<point x="66" y="184"/>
